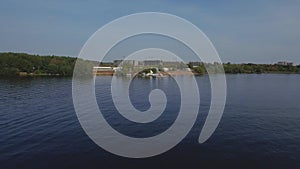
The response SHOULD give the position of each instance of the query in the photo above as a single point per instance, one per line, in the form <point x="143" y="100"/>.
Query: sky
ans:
<point x="257" y="31"/>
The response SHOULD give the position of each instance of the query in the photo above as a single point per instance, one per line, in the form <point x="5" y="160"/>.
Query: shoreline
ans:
<point x="166" y="74"/>
<point x="26" y="65"/>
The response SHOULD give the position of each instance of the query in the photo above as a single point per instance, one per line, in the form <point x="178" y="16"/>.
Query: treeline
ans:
<point x="246" y="68"/>
<point x="260" y="68"/>
<point x="13" y="64"/>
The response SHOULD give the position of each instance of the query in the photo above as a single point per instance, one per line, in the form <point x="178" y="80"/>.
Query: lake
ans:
<point x="260" y="127"/>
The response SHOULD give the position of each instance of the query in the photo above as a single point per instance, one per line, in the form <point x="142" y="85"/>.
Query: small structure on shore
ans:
<point x="103" y="70"/>
<point x="284" y="63"/>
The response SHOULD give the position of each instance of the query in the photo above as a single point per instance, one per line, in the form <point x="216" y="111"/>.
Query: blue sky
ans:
<point x="259" y="31"/>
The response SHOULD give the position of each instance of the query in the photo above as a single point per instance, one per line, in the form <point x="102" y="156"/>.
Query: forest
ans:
<point x="14" y="64"/>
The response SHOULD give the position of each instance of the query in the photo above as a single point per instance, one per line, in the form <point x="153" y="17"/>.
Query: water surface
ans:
<point x="260" y="127"/>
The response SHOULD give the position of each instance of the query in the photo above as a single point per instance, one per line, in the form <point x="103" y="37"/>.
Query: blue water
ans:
<point x="260" y="127"/>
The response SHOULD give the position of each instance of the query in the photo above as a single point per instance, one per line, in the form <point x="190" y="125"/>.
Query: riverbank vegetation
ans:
<point x="246" y="68"/>
<point x="22" y="64"/>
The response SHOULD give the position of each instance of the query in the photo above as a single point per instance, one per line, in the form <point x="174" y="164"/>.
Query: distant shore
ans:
<point x="26" y="65"/>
